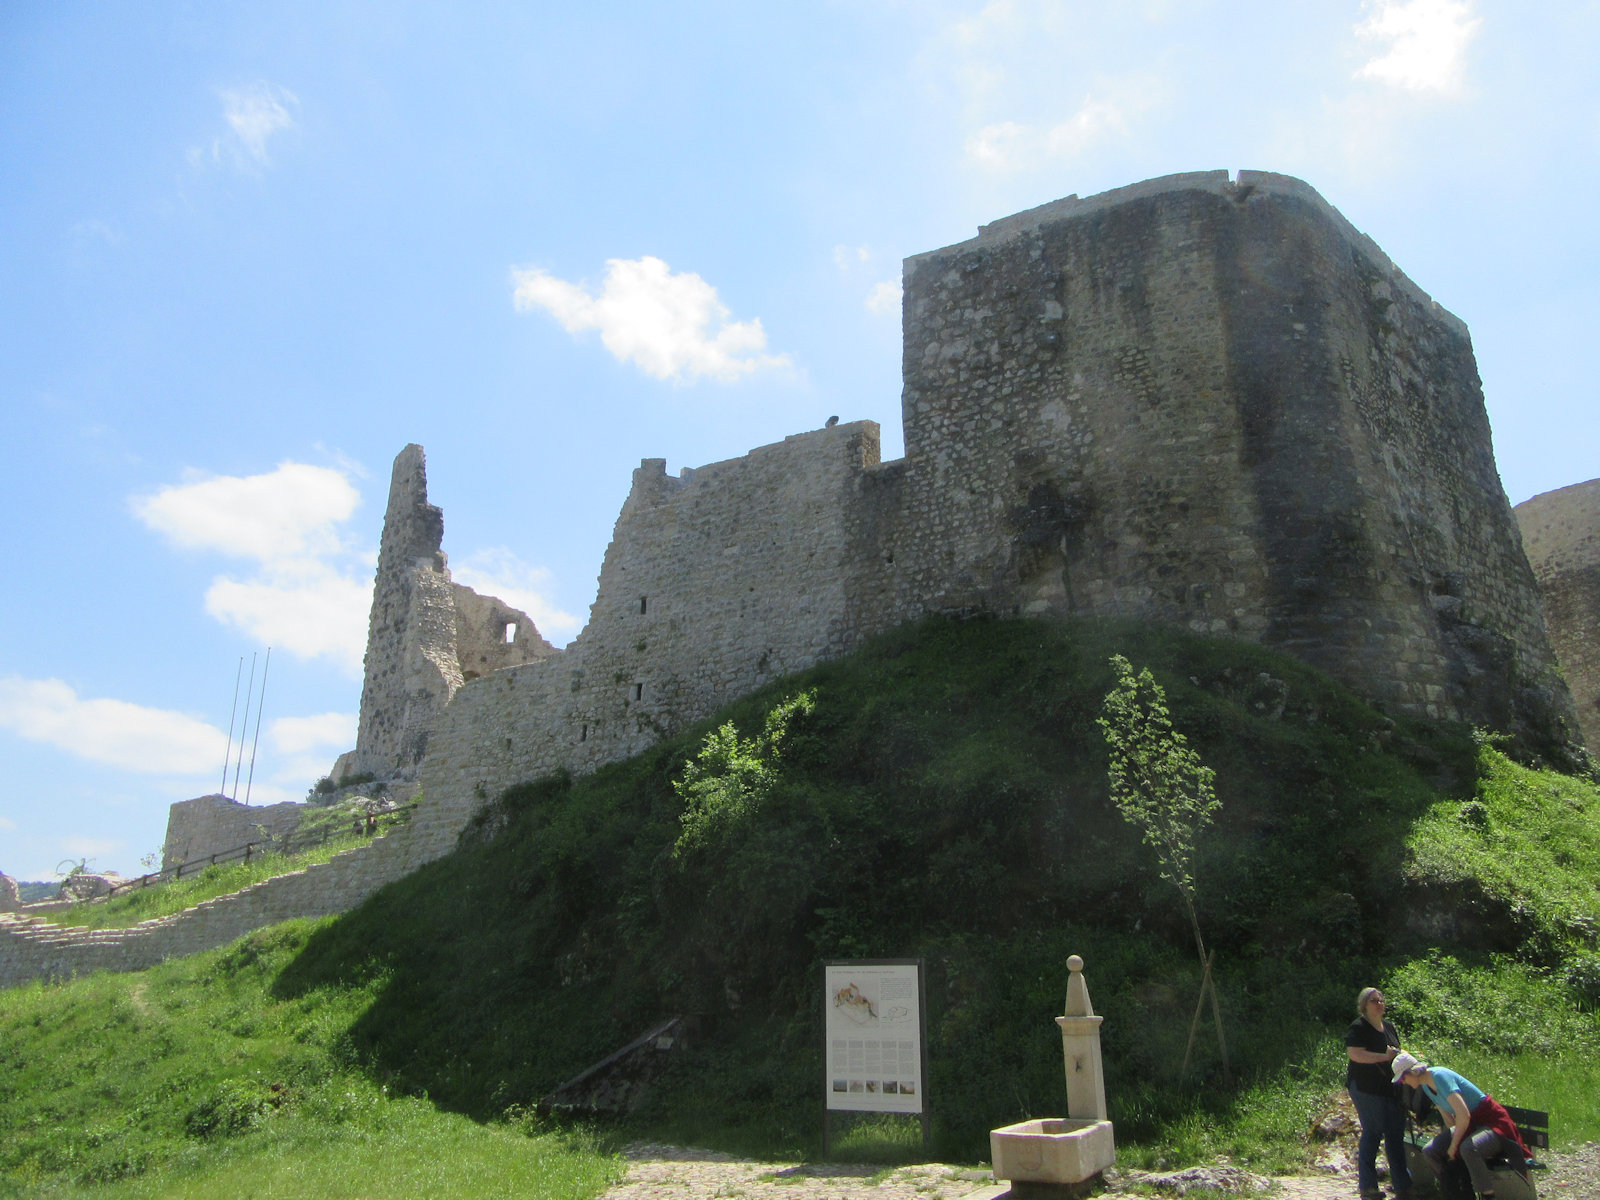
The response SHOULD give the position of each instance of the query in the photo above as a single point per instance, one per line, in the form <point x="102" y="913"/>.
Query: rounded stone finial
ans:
<point x="1075" y="963"/>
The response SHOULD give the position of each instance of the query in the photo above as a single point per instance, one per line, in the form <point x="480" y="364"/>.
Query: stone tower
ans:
<point x="1214" y="404"/>
<point x="426" y="634"/>
<point x="1561" y="534"/>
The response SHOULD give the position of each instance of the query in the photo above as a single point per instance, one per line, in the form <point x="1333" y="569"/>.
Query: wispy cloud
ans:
<point x="114" y="732"/>
<point x="497" y="571"/>
<point x="1426" y="43"/>
<point x="884" y="298"/>
<point x="1009" y="146"/>
<point x="254" y="115"/>
<point x="672" y="327"/>
<point x="304" y="748"/>
<point x="311" y="588"/>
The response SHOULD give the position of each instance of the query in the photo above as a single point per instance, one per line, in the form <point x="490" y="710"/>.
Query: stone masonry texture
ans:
<point x="1205" y="402"/>
<point x="1561" y="534"/>
<point x="210" y="824"/>
<point x="426" y="634"/>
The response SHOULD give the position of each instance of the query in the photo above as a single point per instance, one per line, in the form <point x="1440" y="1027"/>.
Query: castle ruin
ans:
<point x="1200" y="401"/>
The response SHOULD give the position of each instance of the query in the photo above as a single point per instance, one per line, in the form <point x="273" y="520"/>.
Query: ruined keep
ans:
<point x="1561" y="533"/>
<point x="426" y="634"/>
<point x="1201" y="401"/>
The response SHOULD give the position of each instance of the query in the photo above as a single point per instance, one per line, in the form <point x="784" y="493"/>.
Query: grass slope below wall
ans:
<point x="946" y="799"/>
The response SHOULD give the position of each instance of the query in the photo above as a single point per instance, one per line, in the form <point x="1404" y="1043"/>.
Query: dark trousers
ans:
<point x="1477" y="1148"/>
<point x="1382" y="1121"/>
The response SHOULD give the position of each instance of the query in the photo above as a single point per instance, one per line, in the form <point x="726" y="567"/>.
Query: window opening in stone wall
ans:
<point x="511" y="632"/>
<point x="638" y="691"/>
<point x="643" y="601"/>
<point x="508" y="744"/>
<point x="584" y="736"/>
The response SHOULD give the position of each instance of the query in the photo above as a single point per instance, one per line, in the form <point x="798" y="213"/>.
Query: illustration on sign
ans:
<point x="874" y="1031"/>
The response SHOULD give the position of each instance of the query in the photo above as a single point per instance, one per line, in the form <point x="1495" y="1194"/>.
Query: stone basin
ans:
<point x="1052" y="1150"/>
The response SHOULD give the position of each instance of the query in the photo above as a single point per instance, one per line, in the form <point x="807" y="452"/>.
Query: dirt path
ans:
<point x="657" y="1172"/>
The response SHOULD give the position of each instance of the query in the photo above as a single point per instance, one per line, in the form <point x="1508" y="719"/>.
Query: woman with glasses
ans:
<point x="1371" y="1043"/>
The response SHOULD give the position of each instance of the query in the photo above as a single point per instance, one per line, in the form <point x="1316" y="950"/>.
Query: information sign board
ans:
<point x="874" y="1025"/>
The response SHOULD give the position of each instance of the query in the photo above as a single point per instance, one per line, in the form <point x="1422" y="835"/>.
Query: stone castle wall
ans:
<point x="716" y="581"/>
<point x="1561" y="534"/>
<point x="1214" y="405"/>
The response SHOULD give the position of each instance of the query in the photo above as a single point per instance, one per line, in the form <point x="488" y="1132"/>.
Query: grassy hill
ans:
<point x="945" y="798"/>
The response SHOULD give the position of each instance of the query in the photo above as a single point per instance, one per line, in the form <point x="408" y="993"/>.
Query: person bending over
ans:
<point x="1477" y="1126"/>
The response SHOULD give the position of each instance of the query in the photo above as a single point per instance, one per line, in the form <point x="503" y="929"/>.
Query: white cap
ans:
<point x="1404" y="1062"/>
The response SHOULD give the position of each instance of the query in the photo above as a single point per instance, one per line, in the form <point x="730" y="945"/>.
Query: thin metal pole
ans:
<point x="250" y="691"/>
<point x="233" y="713"/>
<point x="261" y="701"/>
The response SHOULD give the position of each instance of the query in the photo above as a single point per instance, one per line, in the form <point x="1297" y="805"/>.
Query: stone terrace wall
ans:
<point x="1561" y="534"/>
<point x="1214" y="405"/>
<point x="715" y="582"/>
<point x="208" y="824"/>
<point x="33" y="949"/>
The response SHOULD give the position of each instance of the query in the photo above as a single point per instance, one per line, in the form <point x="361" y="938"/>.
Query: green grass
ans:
<point x="189" y="1079"/>
<point x="945" y="799"/>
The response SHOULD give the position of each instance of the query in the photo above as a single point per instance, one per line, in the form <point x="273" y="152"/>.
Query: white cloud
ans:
<point x="294" y="510"/>
<point x="670" y="326"/>
<point x="7" y="823"/>
<point x="305" y="749"/>
<point x="303" y="606"/>
<point x="1427" y="43"/>
<point x="1008" y="146"/>
<point x="254" y="115"/>
<point x="499" y="572"/>
<point x="294" y="735"/>
<point x="312" y="587"/>
<point x="885" y="298"/>
<point x="114" y="732"/>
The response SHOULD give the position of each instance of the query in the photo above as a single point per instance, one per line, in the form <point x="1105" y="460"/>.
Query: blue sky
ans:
<point x="249" y="251"/>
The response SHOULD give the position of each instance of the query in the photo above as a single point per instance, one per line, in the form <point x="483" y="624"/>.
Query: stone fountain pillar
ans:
<point x="1051" y="1156"/>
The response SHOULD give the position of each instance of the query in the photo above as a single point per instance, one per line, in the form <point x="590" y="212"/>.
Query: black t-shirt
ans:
<point x="1376" y="1079"/>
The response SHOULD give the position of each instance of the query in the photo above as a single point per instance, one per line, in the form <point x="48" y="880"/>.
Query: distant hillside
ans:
<point x="946" y="798"/>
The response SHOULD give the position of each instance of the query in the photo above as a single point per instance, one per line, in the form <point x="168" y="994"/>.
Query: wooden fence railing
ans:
<point x="288" y="844"/>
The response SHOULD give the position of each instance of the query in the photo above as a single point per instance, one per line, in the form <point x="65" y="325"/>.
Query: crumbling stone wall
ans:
<point x="1561" y="534"/>
<point x="210" y="824"/>
<point x="716" y="581"/>
<point x="491" y="635"/>
<point x="426" y="635"/>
